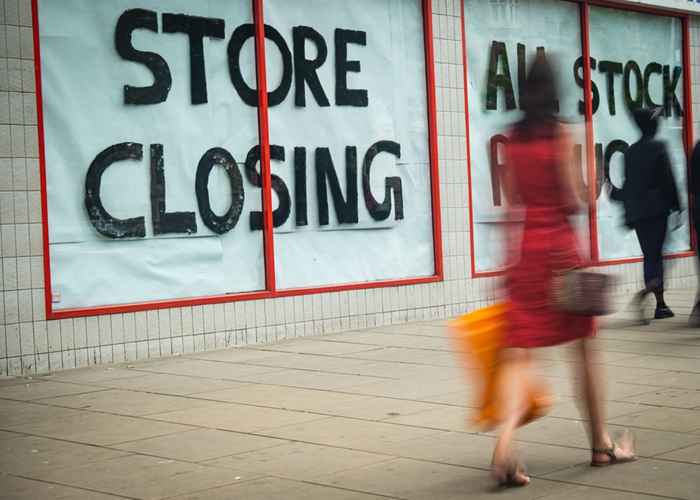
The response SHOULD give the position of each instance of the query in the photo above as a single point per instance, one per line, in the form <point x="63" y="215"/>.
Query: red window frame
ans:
<point x="270" y="290"/>
<point x="584" y="9"/>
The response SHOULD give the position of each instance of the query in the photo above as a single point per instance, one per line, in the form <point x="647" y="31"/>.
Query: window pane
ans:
<point x="502" y="40"/>
<point x="184" y="245"/>
<point x="349" y="135"/>
<point x="638" y="62"/>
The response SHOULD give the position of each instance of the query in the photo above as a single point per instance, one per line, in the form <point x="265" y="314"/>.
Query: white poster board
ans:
<point x="151" y="155"/>
<point x="652" y="50"/>
<point x="386" y="104"/>
<point x="502" y="41"/>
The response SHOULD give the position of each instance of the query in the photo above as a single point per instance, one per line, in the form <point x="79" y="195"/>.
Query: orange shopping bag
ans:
<point x="478" y="336"/>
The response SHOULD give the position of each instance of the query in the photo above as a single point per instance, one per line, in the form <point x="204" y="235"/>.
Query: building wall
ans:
<point x="31" y="345"/>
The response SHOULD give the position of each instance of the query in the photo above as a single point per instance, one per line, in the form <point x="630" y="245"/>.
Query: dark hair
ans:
<point x="647" y="119"/>
<point x="539" y="98"/>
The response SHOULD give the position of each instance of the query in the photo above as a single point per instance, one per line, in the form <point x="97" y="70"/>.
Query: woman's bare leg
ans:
<point x="513" y="400"/>
<point x="593" y="395"/>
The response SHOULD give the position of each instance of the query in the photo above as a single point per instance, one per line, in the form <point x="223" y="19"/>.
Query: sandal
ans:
<point x="507" y="476"/>
<point x="612" y="456"/>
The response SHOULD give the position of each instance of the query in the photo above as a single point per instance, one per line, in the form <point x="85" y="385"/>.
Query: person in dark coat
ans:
<point x="695" y="193"/>
<point x="649" y="195"/>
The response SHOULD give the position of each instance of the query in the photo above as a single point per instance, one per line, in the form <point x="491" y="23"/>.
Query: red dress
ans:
<point x="548" y="244"/>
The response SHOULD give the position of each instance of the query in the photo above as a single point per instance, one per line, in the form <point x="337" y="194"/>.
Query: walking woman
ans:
<point x="649" y="196"/>
<point x="541" y="174"/>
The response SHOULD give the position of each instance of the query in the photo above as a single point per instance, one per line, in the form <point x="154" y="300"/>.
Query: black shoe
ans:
<point x="663" y="313"/>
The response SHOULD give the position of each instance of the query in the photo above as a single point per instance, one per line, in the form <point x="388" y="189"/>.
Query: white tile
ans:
<point x="26" y="42"/>
<point x="12" y="40"/>
<point x="36" y="240"/>
<point x="93" y="332"/>
<point x="117" y="328"/>
<point x="166" y="347"/>
<point x="25" y="12"/>
<point x="187" y="325"/>
<point x="140" y="325"/>
<point x="106" y="354"/>
<point x="164" y="323"/>
<point x="129" y="320"/>
<point x="11" y="307"/>
<point x="152" y="324"/>
<point x="68" y="360"/>
<point x="22" y="240"/>
<point x="105" y="330"/>
<point x="22" y="76"/>
<point x="220" y="317"/>
<point x="12" y="12"/>
<point x="21" y="207"/>
<point x="13" y="340"/>
<point x="209" y="319"/>
<point x="24" y="275"/>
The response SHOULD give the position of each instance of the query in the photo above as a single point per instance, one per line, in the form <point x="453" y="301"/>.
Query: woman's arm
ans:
<point x="574" y="189"/>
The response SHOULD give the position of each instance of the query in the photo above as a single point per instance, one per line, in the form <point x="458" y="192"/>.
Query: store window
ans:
<point x="144" y="156"/>
<point x="154" y="134"/>
<point x="638" y="61"/>
<point x="351" y="142"/>
<point x="502" y="40"/>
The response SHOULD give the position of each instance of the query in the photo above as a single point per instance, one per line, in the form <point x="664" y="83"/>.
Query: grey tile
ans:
<point x="653" y="477"/>
<point x="201" y="444"/>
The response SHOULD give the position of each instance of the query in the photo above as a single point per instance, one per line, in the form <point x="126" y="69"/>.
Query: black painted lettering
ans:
<point x="345" y="209"/>
<point x="281" y="213"/>
<point x="636" y="102"/>
<point x="381" y="211"/>
<point x="196" y="28"/>
<point x="300" y="194"/>
<point x="610" y="68"/>
<point x="129" y="21"/>
<point x="343" y="95"/>
<point x="616" y="146"/>
<point x="220" y="224"/>
<point x="497" y="167"/>
<point x="580" y="81"/>
<point x="651" y="69"/>
<point x="671" y="102"/>
<point x="163" y="222"/>
<point x="305" y="69"/>
<point x="102" y="221"/>
<point x="499" y="57"/>
<point x="250" y="95"/>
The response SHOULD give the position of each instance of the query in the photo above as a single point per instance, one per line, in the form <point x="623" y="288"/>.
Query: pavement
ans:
<point x="380" y="413"/>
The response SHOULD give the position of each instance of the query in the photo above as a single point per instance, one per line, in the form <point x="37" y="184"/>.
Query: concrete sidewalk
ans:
<point x="359" y="415"/>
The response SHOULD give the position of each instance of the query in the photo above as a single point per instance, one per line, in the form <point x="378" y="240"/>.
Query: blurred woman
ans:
<point x="541" y="174"/>
<point x="649" y="196"/>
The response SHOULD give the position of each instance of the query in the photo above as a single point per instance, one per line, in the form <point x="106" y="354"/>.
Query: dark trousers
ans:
<point x="651" y="234"/>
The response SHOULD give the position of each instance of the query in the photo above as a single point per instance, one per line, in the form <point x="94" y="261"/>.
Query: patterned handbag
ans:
<point x="582" y="292"/>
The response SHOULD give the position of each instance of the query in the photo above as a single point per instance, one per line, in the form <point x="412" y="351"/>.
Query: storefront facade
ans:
<point x="181" y="176"/>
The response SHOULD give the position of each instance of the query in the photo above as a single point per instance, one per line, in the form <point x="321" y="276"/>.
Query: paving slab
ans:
<point x="647" y="476"/>
<point x="45" y="389"/>
<point x="98" y="428"/>
<point x="274" y="488"/>
<point x="235" y="417"/>
<point x="32" y="455"/>
<point x="121" y="402"/>
<point x="139" y="476"/>
<point x="19" y="488"/>
<point x="300" y="461"/>
<point x="200" y="445"/>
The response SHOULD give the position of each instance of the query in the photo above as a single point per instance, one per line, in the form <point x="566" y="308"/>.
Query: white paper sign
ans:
<point x="502" y="41"/>
<point x="152" y="163"/>
<point x="650" y="60"/>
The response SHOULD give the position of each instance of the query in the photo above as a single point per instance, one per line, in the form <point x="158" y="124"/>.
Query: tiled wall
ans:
<point x="29" y="344"/>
